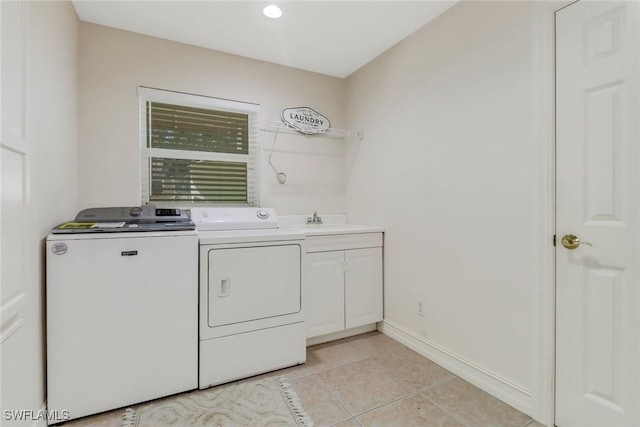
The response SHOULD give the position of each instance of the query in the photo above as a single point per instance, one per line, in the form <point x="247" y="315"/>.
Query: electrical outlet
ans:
<point x="421" y="308"/>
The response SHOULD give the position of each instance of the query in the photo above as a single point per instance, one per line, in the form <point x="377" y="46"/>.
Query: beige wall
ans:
<point x="50" y="51"/>
<point x="449" y="167"/>
<point x="113" y="63"/>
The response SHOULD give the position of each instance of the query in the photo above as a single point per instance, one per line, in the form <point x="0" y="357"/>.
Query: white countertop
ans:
<point x="331" y="224"/>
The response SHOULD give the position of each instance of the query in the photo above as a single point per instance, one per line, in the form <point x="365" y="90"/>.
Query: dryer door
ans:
<point x="252" y="283"/>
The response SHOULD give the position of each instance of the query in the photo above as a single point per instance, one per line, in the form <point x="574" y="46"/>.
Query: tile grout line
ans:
<point x="340" y="366"/>
<point x="382" y="357"/>
<point x="345" y="420"/>
<point x="326" y="388"/>
<point x="358" y="349"/>
<point x="416" y="389"/>
<point x="353" y="416"/>
<point x="451" y="377"/>
<point x="437" y="383"/>
<point x="333" y="395"/>
<point x="456" y="417"/>
<point x="319" y="380"/>
<point x="377" y="363"/>
<point x="406" y="396"/>
<point x="372" y="357"/>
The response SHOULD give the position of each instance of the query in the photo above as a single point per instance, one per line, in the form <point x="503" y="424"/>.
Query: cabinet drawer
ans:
<point x="343" y="241"/>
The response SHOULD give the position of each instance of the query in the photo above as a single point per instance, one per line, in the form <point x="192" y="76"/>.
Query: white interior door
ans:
<point x="598" y="298"/>
<point x="14" y="191"/>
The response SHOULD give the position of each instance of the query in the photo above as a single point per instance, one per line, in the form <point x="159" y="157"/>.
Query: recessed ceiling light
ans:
<point x="272" y="11"/>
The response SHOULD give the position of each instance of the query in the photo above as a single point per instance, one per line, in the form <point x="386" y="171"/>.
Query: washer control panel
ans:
<point x="126" y="219"/>
<point x="212" y="219"/>
<point x="147" y="213"/>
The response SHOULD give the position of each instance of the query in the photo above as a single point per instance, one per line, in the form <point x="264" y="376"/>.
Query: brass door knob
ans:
<point x="570" y="241"/>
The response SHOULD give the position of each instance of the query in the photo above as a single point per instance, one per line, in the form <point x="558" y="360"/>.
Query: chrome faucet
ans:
<point x="315" y="219"/>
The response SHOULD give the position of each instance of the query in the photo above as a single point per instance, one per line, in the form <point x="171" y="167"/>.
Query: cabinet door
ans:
<point x="324" y="293"/>
<point x="363" y="286"/>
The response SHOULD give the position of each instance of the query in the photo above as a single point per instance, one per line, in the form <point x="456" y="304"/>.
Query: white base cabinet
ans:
<point x="343" y="283"/>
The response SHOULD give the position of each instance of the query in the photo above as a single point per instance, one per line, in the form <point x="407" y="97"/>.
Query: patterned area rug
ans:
<point x="266" y="402"/>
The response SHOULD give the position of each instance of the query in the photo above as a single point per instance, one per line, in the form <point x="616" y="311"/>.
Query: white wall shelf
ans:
<point x="333" y="133"/>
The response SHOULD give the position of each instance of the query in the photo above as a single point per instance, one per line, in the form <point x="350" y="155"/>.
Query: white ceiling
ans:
<point x="329" y="37"/>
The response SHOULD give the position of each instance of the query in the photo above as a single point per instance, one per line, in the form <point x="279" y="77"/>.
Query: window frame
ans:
<point x="147" y="94"/>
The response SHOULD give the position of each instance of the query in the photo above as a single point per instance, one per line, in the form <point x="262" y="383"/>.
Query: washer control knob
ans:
<point x="135" y="211"/>
<point x="262" y="214"/>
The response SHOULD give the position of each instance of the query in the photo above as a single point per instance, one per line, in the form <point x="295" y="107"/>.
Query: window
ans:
<point x="197" y="150"/>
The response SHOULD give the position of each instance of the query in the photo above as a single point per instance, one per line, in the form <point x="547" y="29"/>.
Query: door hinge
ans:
<point x="554" y="240"/>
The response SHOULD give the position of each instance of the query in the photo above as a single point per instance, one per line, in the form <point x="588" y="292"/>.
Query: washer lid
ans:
<point x="234" y="218"/>
<point x="148" y="218"/>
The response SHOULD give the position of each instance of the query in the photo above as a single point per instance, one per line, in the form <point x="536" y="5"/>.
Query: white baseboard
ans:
<point x="342" y="334"/>
<point x="499" y="387"/>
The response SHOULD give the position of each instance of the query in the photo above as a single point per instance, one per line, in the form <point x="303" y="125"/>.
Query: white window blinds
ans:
<point x="198" y="150"/>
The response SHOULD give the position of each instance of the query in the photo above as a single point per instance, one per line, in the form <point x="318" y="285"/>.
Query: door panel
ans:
<point x="253" y="283"/>
<point x="602" y="153"/>
<point x="597" y="102"/>
<point x="324" y="293"/>
<point x="14" y="161"/>
<point x="363" y="287"/>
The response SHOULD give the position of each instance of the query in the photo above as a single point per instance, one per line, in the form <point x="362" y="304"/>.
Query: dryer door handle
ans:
<point x="224" y="287"/>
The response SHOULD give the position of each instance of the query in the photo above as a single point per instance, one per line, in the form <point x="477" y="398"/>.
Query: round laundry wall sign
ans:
<point x="305" y="120"/>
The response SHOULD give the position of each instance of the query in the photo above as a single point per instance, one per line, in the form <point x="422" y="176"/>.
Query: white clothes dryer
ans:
<point x="251" y="317"/>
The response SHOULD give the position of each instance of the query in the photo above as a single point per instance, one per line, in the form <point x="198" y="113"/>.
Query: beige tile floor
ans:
<point x="372" y="380"/>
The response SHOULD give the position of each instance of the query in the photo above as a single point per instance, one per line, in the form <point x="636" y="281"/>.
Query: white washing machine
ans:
<point x="251" y="303"/>
<point x="122" y="301"/>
